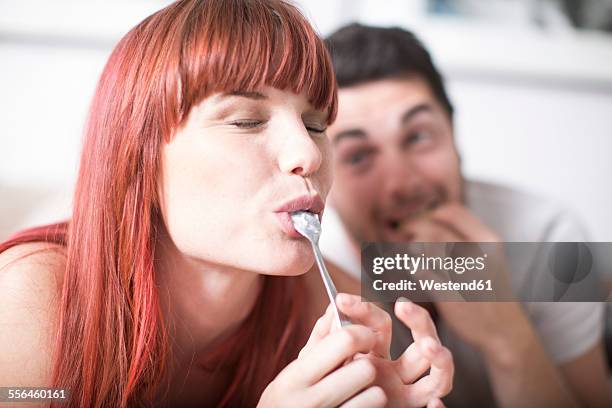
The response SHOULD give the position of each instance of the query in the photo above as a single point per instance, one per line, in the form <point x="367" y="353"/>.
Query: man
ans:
<point x="398" y="178"/>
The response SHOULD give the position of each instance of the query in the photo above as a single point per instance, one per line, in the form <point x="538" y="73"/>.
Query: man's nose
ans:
<point x="401" y="177"/>
<point x="299" y="154"/>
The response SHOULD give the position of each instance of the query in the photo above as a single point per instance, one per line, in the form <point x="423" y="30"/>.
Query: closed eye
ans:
<point x="247" y="123"/>
<point x="316" y="130"/>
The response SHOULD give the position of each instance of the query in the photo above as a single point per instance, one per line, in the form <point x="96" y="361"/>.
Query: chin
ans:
<point x="294" y="260"/>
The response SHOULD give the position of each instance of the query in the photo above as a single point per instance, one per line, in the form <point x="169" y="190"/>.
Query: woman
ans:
<point x="178" y="279"/>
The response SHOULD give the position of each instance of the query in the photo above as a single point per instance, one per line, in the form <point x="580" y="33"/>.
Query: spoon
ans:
<point x="307" y="224"/>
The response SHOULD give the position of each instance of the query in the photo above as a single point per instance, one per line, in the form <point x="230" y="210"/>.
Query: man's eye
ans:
<point x="357" y="158"/>
<point x="247" y="123"/>
<point x="417" y="137"/>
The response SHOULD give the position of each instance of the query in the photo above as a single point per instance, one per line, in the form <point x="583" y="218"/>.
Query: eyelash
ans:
<point x="317" y="131"/>
<point x="361" y="155"/>
<point x="247" y="124"/>
<point x="251" y="124"/>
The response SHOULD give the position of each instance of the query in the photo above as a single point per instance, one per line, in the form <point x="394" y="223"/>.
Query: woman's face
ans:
<point x="233" y="172"/>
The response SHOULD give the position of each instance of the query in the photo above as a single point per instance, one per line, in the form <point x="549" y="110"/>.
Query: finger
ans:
<point x="344" y="383"/>
<point x="435" y="385"/>
<point x="368" y="314"/>
<point x="414" y="361"/>
<point x="372" y="397"/>
<point x="321" y="329"/>
<point x="435" y="403"/>
<point x="442" y="370"/>
<point x="416" y="318"/>
<point x="332" y="351"/>
<point x="460" y="219"/>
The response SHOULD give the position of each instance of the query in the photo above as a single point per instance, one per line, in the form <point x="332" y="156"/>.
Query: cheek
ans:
<point x="205" y="191"/>
<point x="214" y="171"/>
<point x="326" y="174"/>
<point x="441" y="169"/>
<point x="186" y="196"/>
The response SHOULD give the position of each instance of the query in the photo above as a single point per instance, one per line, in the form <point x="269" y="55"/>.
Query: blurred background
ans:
<point x="531" y="81"/>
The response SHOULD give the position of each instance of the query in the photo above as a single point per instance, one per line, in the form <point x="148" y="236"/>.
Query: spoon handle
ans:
<point x="341" y="319"/>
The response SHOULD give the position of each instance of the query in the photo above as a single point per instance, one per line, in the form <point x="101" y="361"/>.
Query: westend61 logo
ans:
<point x="510" y="271"/>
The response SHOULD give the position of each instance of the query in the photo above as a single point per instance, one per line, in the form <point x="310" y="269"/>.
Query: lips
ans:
<point x="303" y="203"/>
<point x="313" y="204"/>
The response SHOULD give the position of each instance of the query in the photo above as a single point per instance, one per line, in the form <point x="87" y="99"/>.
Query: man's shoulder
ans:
<point x="30" y="288"/>
<point x="519" y="215"/>
<point x="501" y="197"/>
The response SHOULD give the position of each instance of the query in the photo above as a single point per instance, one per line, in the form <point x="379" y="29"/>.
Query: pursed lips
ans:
<point x="312" y="203"/>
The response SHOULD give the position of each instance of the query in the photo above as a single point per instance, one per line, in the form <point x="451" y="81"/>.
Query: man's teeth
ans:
<point x="397" y="224"/>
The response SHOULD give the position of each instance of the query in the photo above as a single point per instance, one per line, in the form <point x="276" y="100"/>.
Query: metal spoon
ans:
<point x="307" y="224"/>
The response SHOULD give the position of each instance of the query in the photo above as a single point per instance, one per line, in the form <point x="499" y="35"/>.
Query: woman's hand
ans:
<point x="325" y="373"/>
<point x="401" y="379"/>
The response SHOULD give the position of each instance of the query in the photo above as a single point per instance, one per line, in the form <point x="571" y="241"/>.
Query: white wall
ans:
<point x="554" y="142"/>
<point x="44" y="100"/>
<point x="533" y="110"/>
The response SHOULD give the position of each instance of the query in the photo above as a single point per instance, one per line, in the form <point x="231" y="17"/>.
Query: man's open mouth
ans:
<point x="395" y="223"/>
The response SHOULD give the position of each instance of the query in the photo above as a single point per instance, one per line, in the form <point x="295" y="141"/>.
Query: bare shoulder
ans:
<point x="30" y="288"/>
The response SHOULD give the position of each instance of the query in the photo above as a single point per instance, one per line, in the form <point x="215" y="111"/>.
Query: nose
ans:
<point x="300" y="154"/>
<point x="402" y="180"/>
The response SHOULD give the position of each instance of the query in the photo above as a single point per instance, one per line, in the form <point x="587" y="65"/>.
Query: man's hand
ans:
<point x="450" y="222"/>
<point x="521" y="372"/>
<point x="495" y="328"/>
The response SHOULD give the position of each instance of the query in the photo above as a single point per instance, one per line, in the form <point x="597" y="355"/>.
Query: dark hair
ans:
<point x="361" y="53"/>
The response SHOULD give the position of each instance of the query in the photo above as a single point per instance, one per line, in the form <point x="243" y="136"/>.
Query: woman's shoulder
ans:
<point x="30" y="288"/>
<point x="35" y="266"/>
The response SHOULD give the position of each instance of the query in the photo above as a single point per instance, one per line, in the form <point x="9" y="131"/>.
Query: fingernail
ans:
<point x="405" y="304"/>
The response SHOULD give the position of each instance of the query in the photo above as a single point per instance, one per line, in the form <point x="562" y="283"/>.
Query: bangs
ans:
<point x="237" y="45"/>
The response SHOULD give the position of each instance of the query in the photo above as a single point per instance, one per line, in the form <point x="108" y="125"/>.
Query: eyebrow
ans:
<point x="246" y="94"/>
<point x="357" y="133"/>
<point x="350" y="134"/>
<point x="412" y="112"/>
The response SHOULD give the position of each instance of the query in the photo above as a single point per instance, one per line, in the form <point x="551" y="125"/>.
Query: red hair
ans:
<point x="112" y="343"/>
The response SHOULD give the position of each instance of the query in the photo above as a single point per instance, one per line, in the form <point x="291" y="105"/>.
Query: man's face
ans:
<point x="395" y="158"/>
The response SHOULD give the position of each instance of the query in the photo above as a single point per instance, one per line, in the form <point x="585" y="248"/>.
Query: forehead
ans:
<point x="383" y="101"/>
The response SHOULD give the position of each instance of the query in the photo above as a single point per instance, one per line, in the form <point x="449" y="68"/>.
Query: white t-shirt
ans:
<point x="566" y="329"/>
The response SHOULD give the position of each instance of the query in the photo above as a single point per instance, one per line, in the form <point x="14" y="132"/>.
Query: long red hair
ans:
<point x="112" y="345"/>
